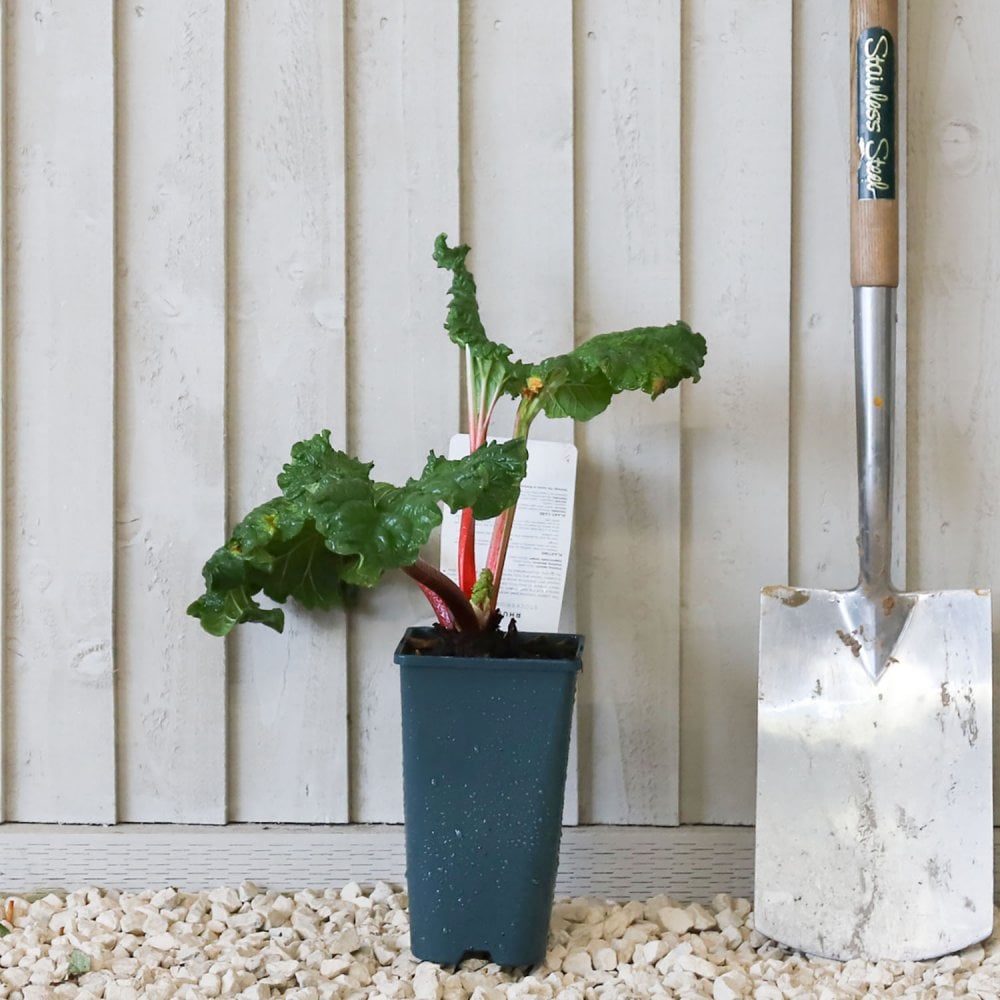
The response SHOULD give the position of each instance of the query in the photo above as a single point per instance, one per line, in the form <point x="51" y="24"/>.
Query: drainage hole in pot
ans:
<point x="475" y="953"/>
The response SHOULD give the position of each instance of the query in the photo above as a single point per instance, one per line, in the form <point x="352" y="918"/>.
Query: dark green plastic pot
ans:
<point x="485" y="749"/>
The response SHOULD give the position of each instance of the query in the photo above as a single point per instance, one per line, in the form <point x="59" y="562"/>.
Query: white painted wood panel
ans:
<point x="287" y="708"/>
<point x="269" y="178"/>
<point x="4" y="436"/>
<point x="517" y="198"/>
<point x="736" y="190"/>
<point x="403" y="133"/>
<point x="823" y="521"/>
<point x="59" y="402"/>
<point x="627" y="95"/>
<point x="170" y="397"/>
<point x="954" y="276"/>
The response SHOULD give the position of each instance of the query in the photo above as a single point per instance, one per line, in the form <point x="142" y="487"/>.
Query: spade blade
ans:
<point x="874" y="822"/>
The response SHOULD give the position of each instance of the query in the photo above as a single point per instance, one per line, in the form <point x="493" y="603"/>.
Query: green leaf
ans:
<point x="4" y="930"/>
<point x="493" y="373"/>
<point x="463" y="323"/>
<point x="336" y="529"/>
<point x="652" y="359"/>
<point x="387" y="529"/>
<point x="313" y="461"/>
<point x="221" y="611"/>
<point x="276" y="550"/>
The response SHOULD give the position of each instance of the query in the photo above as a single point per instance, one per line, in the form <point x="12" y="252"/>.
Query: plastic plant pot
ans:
<point x="485" y="751"/>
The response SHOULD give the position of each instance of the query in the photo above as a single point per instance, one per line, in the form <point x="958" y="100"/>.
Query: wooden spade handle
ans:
<point x="874" y="208"/>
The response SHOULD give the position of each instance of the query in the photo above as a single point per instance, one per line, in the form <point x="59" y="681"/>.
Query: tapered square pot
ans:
<point x="485" y="750"/>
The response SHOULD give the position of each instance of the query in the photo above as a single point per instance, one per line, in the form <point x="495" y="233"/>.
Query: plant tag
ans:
<point x="534" y="576"/>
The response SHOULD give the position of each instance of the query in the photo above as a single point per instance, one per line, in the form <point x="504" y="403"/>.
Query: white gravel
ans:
<point x="352" y="943"/>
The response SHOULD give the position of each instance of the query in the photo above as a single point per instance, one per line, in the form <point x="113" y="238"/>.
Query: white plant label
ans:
<point x="534" y="575"/>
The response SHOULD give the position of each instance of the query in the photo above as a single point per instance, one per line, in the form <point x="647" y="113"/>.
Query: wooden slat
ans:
<point x="823" y="498"/>
<point x="171" y="376"/>
<point x="288" y="693"/>
<point x="402" y="191"/>
<point x="953" y="267"/>
<point x="517" y="194"/>
<point x="4" y="394"/>
<point x="628" y="522"/>
<point x="60" y="731"/>
<point x="736" y="421"/>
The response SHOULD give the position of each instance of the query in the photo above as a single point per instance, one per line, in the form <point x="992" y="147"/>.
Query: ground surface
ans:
<point x="352" y="943"/>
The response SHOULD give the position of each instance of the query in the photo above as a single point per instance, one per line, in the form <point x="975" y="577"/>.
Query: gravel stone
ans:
<point x="675" y="919"/>
<point x="353" y="943"/>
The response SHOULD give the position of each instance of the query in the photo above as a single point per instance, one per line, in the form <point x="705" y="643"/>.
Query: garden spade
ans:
<point x="874" y="815"/>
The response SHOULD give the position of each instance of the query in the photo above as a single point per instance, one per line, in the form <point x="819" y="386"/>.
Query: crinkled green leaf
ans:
<point x="220" y="611"/>
<point x="581" y="384"/>
<point x="314" y="460"/>
<point x="388" y="529"/>
<point x="494" y="374"/>
<point x="650" y="358"/>
<point x="572" y="388"/>
<point x="337" y="529"/>
<point x="276" y="550"/>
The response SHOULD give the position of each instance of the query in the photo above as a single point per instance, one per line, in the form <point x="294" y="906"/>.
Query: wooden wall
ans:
<point x="217" y="221"/>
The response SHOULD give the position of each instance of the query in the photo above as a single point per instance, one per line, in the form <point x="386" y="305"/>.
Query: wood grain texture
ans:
<point x="874" y="223"/>
<point x="171" y="357"/>
<point x="269" y="177"/>
<point x="4" y="396"/>
<point x="736" y="421"/>
<point x="823" y="495"/>
<point x="403" y="135"/>
<point x="953" y="272"/>
<point x="287" y="708"/>
<point x="517" y="196"/>
<point x="60" y="499"/>
<point x="627" y="99"/>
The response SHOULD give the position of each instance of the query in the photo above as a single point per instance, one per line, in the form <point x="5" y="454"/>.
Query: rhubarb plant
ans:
<point x="333" y="529"/>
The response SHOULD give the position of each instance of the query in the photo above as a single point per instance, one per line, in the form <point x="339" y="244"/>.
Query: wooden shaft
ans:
<point x="874" y="206"/>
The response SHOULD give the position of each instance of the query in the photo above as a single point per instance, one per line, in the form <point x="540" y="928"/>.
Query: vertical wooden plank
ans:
<point x="823" y="521"/>
<point x="60" y="490"/>
<point x="288" y="693"/>
<point x="4" y="396"/>
<point x="170" y="385"/>
<point x="628" y="521"/>
<point x="517" y="196"/>
<point x="402" y="191"/>
<point x="953" y="266"/>
<point x="736" y="142"/>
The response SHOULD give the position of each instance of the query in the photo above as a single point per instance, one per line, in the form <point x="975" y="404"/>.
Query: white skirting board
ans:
<point x="616" y="862"/>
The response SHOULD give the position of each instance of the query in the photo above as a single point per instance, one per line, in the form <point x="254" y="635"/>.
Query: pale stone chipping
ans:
<point x="255" y="944"/>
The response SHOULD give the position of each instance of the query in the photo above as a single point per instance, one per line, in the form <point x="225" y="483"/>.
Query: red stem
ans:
<point x="498" y="548"/>
<point x="450" y="605"/>
<point x="467" y="552"/>
<point x="502" y="526"/>
<point x="441" y="610"/>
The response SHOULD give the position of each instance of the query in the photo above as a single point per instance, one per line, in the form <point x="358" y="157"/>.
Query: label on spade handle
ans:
<point x="876" y="115"/>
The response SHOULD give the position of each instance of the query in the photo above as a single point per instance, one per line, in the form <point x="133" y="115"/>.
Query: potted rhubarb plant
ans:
<point x="486" y="711"/>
